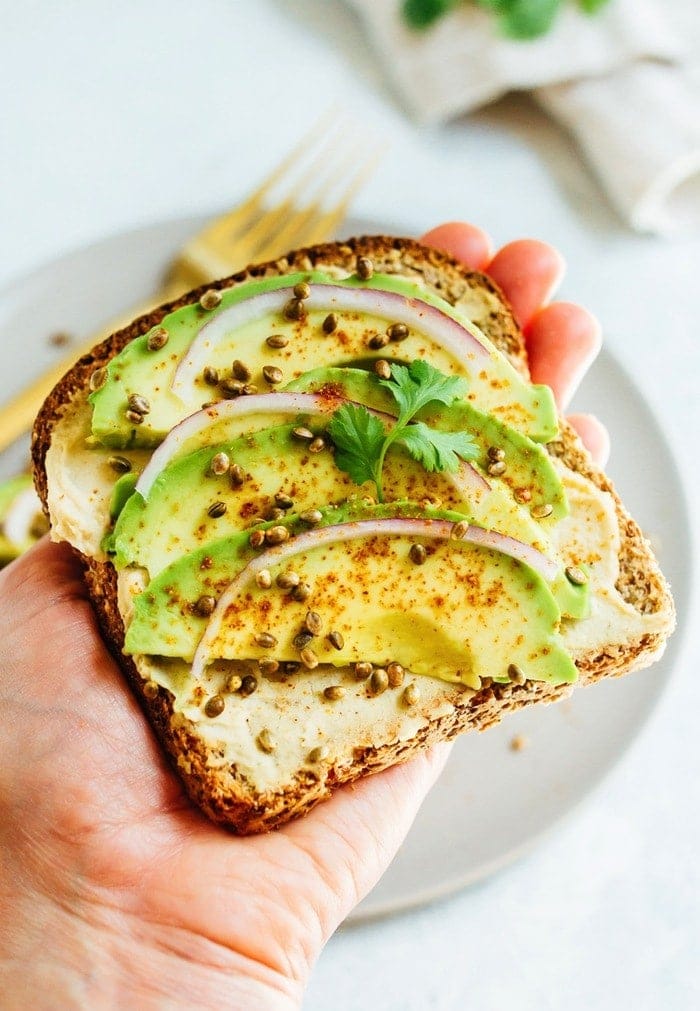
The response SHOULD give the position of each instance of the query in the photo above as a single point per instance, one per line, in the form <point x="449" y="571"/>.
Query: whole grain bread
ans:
<point x="221" y="790"/>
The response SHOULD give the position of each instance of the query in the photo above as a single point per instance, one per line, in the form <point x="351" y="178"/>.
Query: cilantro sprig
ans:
<point x="520" y="19"/>
<point x="362" y="443"/>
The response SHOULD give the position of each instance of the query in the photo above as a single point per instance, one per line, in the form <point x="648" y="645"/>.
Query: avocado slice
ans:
<point x="495" y="386"/>
<point x="370" y="590"/>
<point x="529" y="467"/>
<point x="17" y="497"/>
<point x="274" y="461"/>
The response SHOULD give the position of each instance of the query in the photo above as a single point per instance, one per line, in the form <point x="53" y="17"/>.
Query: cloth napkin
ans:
<point x="622" y="82"/>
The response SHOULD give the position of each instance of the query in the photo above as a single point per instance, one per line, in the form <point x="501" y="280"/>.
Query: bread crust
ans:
<point x="223" y="794"/>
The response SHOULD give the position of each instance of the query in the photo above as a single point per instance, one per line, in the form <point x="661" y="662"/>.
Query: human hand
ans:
<point x="114" y="890"/>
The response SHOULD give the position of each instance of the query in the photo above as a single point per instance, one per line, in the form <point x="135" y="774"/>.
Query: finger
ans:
<point x="467" y="243"/>
<point x="594" y="435"/>
<point x="527" y="271"/>
<point x="562" y="342"/>
<point x="354" y="836"/>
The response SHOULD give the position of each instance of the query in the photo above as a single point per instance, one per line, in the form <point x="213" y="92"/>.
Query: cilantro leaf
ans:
<point x="422" y="13"/>
<point x="437" y="451"/>
<point x="359" y="438"/>
<point x="528" y="19"/>
<point x="419" y="384"/>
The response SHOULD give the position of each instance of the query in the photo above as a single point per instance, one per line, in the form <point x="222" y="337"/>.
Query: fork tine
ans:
<point x="315" y="223"/>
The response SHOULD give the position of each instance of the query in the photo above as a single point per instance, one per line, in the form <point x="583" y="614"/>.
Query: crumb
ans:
<point x="518" y="743"/>
<point x="60" y="339"/>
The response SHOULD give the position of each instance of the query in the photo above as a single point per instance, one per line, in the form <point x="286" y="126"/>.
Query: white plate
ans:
<point x="491" y="803"/>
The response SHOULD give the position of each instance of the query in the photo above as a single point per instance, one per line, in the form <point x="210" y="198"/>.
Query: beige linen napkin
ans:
<point x="618" y="81"/>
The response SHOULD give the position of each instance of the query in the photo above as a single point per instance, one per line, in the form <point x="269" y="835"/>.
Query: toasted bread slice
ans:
<point x="253" y="789"/>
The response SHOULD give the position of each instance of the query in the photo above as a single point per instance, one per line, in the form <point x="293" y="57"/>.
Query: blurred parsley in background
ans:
<point x="519" y="19"/>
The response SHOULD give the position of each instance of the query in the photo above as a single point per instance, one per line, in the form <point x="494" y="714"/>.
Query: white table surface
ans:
<point x="114" y="115"/>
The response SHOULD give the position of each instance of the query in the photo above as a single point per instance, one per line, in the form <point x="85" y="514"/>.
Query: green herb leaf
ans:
<point x="437" y="451"/>
<point x="529" y="19"/>
<point x="423" y="13"/>
<point x="359" y="438"/>
<point x="591" y="6"/>
<point x="419" y="384"/>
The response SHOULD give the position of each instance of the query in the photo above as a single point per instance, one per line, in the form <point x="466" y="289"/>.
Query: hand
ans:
<point x="114" y="890"/>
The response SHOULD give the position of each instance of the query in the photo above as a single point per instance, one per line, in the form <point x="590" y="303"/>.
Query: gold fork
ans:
<point x="304" y="200"/>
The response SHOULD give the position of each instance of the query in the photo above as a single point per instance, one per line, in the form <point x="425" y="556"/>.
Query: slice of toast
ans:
<point x="253" y="789"/>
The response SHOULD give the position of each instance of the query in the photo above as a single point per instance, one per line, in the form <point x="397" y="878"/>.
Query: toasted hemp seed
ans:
<point x="138" y="403"/>
<point x="272" y="375"/>
<point x="157" y="339"/>
<point x="217" y="509"/>
<point x="262" y="578"/>
<point x="382" y="368"/>
<point x="495" y="453"/>
<point x="379" y="681"/>
<point x="290" y="666"/>
<point x="319" y="754"/>
<point x="334" y="692"/>
<point x="540" y="512"/>
<point x="516" y="674"/>
<point x="497" y="468"/>
<point x="215" y="705"/>
<point x="120" y="464"/>
<point x="303" y="434"/>
<point x="239" y="370"/>
<point x="317" y="445"/>
<point x="336" y="640"/>
<point x="363" y="669"/>
<point x="308" y="658"/>
<point x="266" y="741"/>
<point x="249" y="390"/>
<point x="256" y="540"/>
<point x="276" y="535"/>
<point x="233" y="682"/>
<point x="204" y="606"/>
<point x="460" y="530"/>
<point x="210" y="375"/>
<point x="395" y="673"/>
<point x="575" y="575"/>
<point x="210" y="299"/>
<point x="378" y="341"/>
<point x="311" y="516"/>
<point x="275" y="513"/>
<point x="284" y="501"/>
<point x="287" y="580"/>
<point x="313" y="623"/>
<point x="265" y="639"/>
<point x="277" y="340"/>
<point x="134" y="417"/>
<point x="150" y="689"/>
<point x="294" y="309"/>
<point x="237" y="475"/>
<point x="97" y="379"/>
<point x="220" y="464"/>
<point x="364" y="268"/>
<point x="398" y="332"/>
<point x="302" y="639"/>
<point x="522" y="495"/>
<point x="417" y="554"/>
<point x="410" y="695"/>
<point x="266" y="665"/>
<point x="249" y="684"/>
<point x="231" y="388"/>
<point x="302" y="290"/>
<point x="330" y="323"/>
<point x="301" y="592"/>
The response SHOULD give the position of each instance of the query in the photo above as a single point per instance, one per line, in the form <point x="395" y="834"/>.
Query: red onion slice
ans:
<point x="445" y="331"/>
<point x="398" y="527"/>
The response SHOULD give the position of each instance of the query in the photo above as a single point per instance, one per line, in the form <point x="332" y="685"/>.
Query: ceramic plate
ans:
<point x="492" y="802"/>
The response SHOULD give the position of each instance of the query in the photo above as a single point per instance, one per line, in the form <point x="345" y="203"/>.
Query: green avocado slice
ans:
<point x="273" y="462"/>
<point x="371" y="591"/>
<point x="529" y="470"/>
<point x="10" y="490"/>
<point x="495" y="387"/>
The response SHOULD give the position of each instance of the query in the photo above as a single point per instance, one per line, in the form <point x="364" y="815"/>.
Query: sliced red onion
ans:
<point x="398" y="526"/>
<point x="445" y="331"/>
<point x="268" y="403"/>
